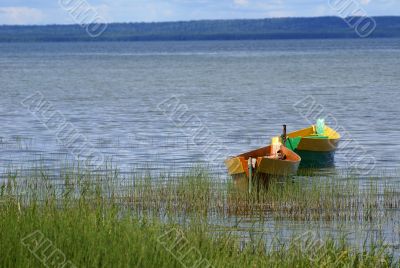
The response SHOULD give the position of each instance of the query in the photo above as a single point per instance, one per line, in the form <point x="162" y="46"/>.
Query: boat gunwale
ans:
<point x="293" y="160"/>
<point x="287" y="151"/>
<point x="336" y="135"/>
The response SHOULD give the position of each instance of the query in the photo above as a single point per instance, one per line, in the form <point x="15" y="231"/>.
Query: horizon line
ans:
<point x="197" y="20"/>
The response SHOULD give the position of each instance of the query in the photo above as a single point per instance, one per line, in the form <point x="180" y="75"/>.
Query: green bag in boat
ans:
<point x="320" y="127"/>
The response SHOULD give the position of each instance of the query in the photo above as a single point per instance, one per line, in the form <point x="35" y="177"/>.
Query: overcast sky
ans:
<point x="52" y="11"/>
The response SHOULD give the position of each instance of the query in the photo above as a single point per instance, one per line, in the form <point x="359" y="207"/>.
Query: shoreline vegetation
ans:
<point x="81" y="218"/>
<point x="240" y="29"/>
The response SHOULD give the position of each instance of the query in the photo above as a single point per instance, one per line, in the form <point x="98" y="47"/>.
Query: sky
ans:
<point x="17" y="12"/>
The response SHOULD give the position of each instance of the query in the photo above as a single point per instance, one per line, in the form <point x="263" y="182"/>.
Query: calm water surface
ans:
<point x="240" y="92"/>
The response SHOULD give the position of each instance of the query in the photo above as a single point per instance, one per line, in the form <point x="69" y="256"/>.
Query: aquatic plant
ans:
<point x="90" y="220"/>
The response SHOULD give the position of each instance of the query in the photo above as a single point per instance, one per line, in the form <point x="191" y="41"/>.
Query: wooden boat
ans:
<point x="316" y="148"/>
<point x="265" y="162"/>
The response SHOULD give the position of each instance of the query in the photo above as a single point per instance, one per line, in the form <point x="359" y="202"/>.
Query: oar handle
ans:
<point x="284" y="135"/>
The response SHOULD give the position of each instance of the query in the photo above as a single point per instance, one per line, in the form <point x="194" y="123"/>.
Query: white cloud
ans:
<point x="241" y="2"/>
<point x="323" y="10"/>
<point x="49" y="11"/>
<point x="20" y="15"/>
<point x="365" y="2"/>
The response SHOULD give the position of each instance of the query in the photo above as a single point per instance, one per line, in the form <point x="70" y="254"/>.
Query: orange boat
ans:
<point x="265" y="161"/>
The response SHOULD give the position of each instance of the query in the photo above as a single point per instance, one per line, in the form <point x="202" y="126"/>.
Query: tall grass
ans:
<point x="98" y="222"/>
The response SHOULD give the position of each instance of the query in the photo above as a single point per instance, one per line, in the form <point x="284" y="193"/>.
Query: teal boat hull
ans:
<point x="311" y="159"/>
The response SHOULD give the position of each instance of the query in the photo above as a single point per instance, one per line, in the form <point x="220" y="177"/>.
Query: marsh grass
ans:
<point x="106" y="220"/>
<point x="312" y="199"/>
<point x="198" y="193"/>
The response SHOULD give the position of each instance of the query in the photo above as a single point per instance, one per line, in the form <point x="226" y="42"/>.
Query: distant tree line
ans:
<point x="277" y="28"/>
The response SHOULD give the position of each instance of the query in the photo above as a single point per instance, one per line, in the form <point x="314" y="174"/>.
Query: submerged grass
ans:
<point x="97" y="221"/>
<point x="313" y="199"/>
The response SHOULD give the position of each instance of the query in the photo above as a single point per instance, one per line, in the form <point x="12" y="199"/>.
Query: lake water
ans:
<point x="239" y="92"/>
<point x="166" y="106"/>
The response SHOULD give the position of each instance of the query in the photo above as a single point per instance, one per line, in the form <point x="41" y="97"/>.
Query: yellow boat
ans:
<point x="264" y="161"/>
<point x="316" y="145"/>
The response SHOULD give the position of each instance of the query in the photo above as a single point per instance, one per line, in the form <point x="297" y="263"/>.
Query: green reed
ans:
<point x="108" y="220"/>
